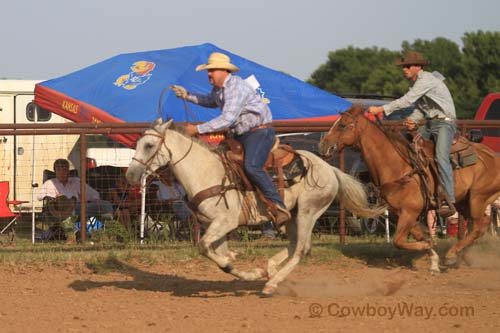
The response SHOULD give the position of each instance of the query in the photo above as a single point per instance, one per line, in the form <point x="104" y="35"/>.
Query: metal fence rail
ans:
<point x="40" y="130"/>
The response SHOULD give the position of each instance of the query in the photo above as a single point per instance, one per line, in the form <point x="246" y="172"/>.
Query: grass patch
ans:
<point x="110" y="255"/>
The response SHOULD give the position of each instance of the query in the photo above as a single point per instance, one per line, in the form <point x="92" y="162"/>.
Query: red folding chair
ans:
<point x="5" y="212"/>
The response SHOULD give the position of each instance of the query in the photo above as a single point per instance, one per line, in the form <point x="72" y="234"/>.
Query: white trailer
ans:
<point x="24" y="157"/>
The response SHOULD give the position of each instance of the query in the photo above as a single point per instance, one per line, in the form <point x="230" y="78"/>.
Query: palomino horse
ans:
<point x="197" y="167"/>
<point x="400" y="186"/>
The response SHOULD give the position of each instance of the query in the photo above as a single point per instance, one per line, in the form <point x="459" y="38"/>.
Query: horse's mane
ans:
<point x="181" y="130"/>
<point x="395" y="137"/>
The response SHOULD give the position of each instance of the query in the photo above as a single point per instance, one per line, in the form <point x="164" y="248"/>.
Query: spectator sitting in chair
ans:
<point x="126" y="202"/>
<point x="66" y="191"/>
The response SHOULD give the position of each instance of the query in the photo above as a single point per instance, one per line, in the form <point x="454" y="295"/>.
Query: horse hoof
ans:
<point x="268" y="291"/>
<point x="443" y="268"/>
<point x="434" y="271"/>
<point x="451" y="261"/>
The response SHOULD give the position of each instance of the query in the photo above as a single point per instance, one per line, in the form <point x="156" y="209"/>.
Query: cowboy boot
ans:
<point x="446" y="207"/>
<point x="281" y="216"/>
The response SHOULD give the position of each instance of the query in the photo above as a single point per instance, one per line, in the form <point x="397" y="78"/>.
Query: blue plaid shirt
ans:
<point x="242" y="107"/>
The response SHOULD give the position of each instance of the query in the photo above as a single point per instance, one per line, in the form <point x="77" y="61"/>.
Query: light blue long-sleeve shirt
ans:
<point x="430" y="96"/>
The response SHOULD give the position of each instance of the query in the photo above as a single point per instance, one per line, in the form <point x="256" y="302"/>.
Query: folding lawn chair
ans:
<point x="6" y="214"/>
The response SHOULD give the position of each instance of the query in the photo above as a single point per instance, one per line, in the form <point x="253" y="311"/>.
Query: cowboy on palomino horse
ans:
<point x="247" y="117"/>
<point x="434" y="103"/>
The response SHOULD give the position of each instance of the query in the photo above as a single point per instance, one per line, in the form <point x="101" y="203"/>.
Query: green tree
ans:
<point x="470" y="73"/>
<point x="348" y="70"/>
<point x="481" y="58"/>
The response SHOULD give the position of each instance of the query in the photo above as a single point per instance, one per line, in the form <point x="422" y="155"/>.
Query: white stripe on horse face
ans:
<point x="335" y="124"/>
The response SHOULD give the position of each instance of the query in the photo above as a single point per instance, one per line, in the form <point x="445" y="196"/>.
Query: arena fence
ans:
<point x="35" y="150"/>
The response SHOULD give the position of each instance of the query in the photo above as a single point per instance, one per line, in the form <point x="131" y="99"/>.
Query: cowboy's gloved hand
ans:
<point x="179" y="91"/>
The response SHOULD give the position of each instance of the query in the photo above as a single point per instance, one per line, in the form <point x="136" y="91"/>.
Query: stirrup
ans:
<point x="446" y="209"/>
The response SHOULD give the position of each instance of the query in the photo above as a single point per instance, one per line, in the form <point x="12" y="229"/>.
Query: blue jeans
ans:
<point x="101" y="208"/>
<point x="181" y="210"/>
<point x="257" y="145"/>
<point x="441" y="132"/>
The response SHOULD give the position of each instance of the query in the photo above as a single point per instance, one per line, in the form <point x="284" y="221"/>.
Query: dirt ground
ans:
<point x="345" y="295"/>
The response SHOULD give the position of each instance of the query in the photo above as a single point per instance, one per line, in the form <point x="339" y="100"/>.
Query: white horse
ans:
<point x="197" y="167"/>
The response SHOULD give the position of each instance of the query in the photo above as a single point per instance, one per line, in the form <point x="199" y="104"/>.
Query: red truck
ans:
<point x="490" y="110"/>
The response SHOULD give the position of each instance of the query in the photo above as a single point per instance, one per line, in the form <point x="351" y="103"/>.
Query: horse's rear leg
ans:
<point x="280" y="257"/>
<point x="479" y="227"/>
<point x="300" y="230"/>
<point x="275" y="261"/>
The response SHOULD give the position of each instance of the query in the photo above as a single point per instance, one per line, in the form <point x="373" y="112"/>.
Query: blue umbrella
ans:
<point x="133" y="88"/>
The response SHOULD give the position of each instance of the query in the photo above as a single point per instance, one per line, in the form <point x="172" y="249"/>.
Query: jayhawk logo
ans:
<point x="255" y="84"/>
<point x="140" y="74"/>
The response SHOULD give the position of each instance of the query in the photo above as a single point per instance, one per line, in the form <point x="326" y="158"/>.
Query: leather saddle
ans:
<point x="462" y="154"/>
<point x="283" y="164"/>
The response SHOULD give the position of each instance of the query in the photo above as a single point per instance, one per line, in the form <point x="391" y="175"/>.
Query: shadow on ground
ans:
<point x="385" y="255"/>
<point x="177" y="285"/>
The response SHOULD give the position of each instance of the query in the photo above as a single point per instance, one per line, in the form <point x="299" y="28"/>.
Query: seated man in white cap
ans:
<point x="247" y="117"/>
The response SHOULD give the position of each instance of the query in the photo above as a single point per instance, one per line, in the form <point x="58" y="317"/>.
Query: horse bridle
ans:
<point x="352" y="125"/>
<point x="161" y="136"/>
<point x="379" y="124"/>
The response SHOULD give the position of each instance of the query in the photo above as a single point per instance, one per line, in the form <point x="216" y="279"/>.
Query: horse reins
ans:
<point x="410" y="158"/>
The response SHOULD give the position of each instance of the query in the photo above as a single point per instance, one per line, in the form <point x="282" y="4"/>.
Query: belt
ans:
<point x="438" y="118"/>
<point x="268" y="125"/>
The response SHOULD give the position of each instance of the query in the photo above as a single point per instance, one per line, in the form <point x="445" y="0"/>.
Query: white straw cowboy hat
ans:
<point x="218" y="61"/>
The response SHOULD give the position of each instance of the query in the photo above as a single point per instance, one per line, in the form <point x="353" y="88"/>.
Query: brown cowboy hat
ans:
<point x="412" y="58"/>
<point x="61" y="207"/>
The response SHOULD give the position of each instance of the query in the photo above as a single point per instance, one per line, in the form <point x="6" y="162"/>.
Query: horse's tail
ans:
<point x="354" y="196"/>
